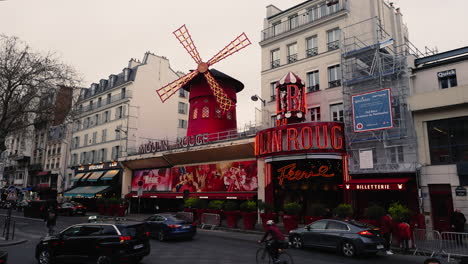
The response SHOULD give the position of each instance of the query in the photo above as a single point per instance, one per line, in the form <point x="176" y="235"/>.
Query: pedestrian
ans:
<point x="432" y="261"/>
<point x="458" y="224"/>
<point x="386" y="224"/>
<point x="404" y="233"/>
<point x="51" y="220"/>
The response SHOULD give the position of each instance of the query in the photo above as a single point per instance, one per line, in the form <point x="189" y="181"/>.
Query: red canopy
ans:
<point x="397" y="184"/>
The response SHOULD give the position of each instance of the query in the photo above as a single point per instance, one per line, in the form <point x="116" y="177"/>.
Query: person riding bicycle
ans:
<point x="277" y="239"/>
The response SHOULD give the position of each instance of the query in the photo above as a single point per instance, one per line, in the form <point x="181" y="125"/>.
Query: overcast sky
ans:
<point x="99" y="37"/>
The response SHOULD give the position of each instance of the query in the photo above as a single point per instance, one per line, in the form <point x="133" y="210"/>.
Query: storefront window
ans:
<point x="448" y="142"/>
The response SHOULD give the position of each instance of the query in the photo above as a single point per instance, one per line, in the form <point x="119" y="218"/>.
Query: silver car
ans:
<point x="350" y="238"/>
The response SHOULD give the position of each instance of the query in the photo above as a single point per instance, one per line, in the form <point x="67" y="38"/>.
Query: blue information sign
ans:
<point x="372" y="111"/>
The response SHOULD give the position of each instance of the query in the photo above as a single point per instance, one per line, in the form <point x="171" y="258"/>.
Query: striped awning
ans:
<point x="78" y="176"/>
<point x="85" y="191"/>
<point x="95" y="176"/>
<point x="110" y="174"/>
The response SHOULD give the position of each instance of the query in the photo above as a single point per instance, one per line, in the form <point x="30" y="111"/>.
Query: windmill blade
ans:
<point x="185" y="39"/>
<point x="237" y="44"/>
<point x="170" y="89"/>
<point x="224" y="102"/>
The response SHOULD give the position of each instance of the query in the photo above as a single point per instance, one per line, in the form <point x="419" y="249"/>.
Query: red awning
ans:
<point x="42" y="173"/>
<point x="396" y="184"/>
<point x="213" y="195"/>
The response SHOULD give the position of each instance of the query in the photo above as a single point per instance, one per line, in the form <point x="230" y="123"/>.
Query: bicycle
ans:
<point x="263" y="256"/>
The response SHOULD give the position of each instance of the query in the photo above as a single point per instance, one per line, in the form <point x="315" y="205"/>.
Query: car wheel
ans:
<point x="348" y="249"/>
<point x="297" y="242"/>
<point x="161" y="236"/>
<point x="104" y="260"/>
<point x="45" y="257"/>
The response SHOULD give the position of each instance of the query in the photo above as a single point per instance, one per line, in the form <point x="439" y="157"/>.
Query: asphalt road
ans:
<point x="207" y="247"/>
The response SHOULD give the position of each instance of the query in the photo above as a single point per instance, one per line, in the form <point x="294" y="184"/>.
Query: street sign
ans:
<point x="460" y="191"/>
<point x="12" y="196"/>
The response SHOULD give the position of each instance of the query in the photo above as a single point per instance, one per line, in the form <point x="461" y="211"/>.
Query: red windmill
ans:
<point x="212" y="106"/>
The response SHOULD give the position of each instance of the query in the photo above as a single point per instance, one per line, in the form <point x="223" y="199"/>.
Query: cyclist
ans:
<point x="277" y="240"/>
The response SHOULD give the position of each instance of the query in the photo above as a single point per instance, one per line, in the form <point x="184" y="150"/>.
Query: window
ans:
<point x="93" y="156"/>
<point x="337" y="226"/>
<point x="85" y="143"/>
<point x="117" y="132"/>
<point x="333" y="39"/>
<point x="311" y="46"/>
<point x="205" y="112"/>
<point x="99" y="102"/>
<point x="336" y="111"/>
<point x="333" y="6"/>
<point x="89" y="231"/>
<point x="182" y="93"/>
<point x="313" y="13"/>
<point x="182" y="123"/>
<point x="195" y="113"/>
<point x="108" y="230"/>
<point x="448" y="142"/>
<point x="123" y="93"/>
<point x="94" y="137"/>
<point x="314" y="114"/>
<point x="96" y="119"/>
<point x="319" y="225"/>
<point x="91" y="105"/>
<point x="101" y="155"/>
<point x="396" y="154"/>
<point x="104" y="135"/>
<point x="323" y="10"/>
<point x="276" y="28"/>
<point x="273" y="120"/>
<point x="115" y="152"/>
<point x="292" y="53"/>
<point x="218" y="112"/>
<point x="182" y="108"/>
<point x="275" y="58"/>
<point x="293" y="21"/>
<point x="106" y="117"/>
<point x="108" y="99"/>
<point x="119" y="112"/>
<point x="72" y="231"/>
<point x="80" y="109"/>
<point x="447" y="79"/>
<point x="334" y="76"/>
<point x="76" y="142"/>
<point x="273" y="91"/>
<point x="313" y="81"/>
<point x="86" y="122"/>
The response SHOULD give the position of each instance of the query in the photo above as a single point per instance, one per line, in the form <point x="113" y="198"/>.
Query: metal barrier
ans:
<point x="210" y="220"/>
<point x="454" y="244"/>
<point x="427" y="241"/>
<point x="187" y="216"/>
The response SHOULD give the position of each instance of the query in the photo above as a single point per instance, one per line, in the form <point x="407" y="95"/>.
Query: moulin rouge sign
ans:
<point x="299" y="138"/>
<point x="182" y="142"/>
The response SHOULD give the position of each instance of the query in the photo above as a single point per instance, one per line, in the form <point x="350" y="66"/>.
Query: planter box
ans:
<point x="268" y="216"/>
<point x="231" y="218"/>
<point x="290" y="222"/>
<point x="310" y="219"/>
<point x="249" y="219"/>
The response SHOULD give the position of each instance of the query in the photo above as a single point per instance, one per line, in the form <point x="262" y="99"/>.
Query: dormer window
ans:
<point x="126" y="72"/>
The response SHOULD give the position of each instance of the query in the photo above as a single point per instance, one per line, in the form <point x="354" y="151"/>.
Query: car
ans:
<point x="167" y="226"/>
<point x="99" y="242"/>
<point x="71" y="208"/>
<point x="3" y="257"/>
<point x="350" y="238"/>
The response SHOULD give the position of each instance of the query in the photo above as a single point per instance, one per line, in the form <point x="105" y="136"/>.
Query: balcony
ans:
<point x="302" y="20"/>
<point x="334" y="45"/>
<point x="110" y="100"/>
<point x="312" y="52"/>
<point x="35" y="167"/>
<point x="333" y="84"/>
<point x="313" y="88"/>
<point x="292" y="58"/>
<point x="275" y="64"/>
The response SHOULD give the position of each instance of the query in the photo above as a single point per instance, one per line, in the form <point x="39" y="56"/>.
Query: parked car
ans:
<point x="350" y="238"/>
<point x="167" y="226"/>
<point x="3" y="257"/>
<point x="103" y="242"/>
<point x="71" y="208"/>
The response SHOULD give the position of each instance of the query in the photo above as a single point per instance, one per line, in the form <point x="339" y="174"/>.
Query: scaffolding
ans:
<point x="373" y="60"/>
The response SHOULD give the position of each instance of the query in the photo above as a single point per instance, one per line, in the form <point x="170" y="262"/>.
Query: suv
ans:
<point x="106" y="242"/>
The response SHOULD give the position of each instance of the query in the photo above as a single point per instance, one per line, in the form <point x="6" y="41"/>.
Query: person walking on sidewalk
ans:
<point x="51" y="220"/>
<point x="458" y="224"/>
<point x="404" y="233"/>
<point x="277" y="239"/>
<point x="387" y="224"/>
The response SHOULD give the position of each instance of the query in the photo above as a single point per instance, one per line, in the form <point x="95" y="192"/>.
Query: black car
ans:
<point x="71" y="208"/>
<point x="350" y="238"/>
<point x="167" y="226"/>
<point x="3" y="257"/>
<point x="105" y="242"/>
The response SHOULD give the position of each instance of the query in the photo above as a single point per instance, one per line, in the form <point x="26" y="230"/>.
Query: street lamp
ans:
<point x="255" y="98"/>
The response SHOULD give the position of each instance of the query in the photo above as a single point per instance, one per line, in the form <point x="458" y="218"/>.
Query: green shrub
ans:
<point x="191" y="202"/>
<point x="216" y="204"/>
<point x="317" y="209"/>
<point x="292" y="208"/>
<point x="375" y="212"/>
<point x="399" y="212"/>
<point x="231" y="206"/>
<point x="248" y="206"/>
<point x="265" y="207"/>
<point x="343" y="211"/>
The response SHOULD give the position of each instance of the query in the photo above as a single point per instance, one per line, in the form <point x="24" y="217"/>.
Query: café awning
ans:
<point x="95" y="176"/>
<point x="78" y="176"/>
<point x="110" y="174"/>
<point x="85" y="191"/>
<point x="395" y="184"/>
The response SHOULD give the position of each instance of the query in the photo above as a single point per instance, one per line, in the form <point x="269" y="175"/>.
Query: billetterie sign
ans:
<point x="301" y="137"/>
<point x="163" y="145"/>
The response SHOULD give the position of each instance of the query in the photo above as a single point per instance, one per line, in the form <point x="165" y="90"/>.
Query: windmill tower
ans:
<point x="212" y="93"/>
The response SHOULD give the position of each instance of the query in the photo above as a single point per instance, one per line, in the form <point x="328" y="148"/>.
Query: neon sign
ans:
<point x="163" y="145"/>
<point x="290" y="173"/>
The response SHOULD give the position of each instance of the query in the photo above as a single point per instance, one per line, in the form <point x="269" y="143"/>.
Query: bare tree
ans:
<point x="28" y="82"/>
